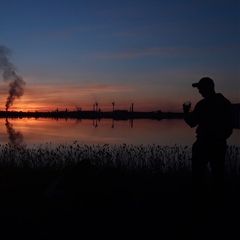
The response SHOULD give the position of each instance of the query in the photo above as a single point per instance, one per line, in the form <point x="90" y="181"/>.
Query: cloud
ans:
<point x="80" y="89"/>
<point x="135" y="53"/>
<point x="72" y="33"/>
<point x="170" y="51"/>
<point x="150" y="51"/>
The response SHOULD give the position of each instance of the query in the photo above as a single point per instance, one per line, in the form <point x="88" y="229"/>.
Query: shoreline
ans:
<point x="115" y="115"/>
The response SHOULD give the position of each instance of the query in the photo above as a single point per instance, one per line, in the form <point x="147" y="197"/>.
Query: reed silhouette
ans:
<point x="100" y="192"/>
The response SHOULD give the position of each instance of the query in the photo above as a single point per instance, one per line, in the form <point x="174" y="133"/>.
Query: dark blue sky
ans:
<point x="73" y="53"/>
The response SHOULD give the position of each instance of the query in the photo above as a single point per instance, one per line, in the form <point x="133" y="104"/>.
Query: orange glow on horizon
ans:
<point x="104" y="108"/>
<point x="49" y="98"/>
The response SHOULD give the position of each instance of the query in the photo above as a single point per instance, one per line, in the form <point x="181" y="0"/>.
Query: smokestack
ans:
<point x="16" y="83"/>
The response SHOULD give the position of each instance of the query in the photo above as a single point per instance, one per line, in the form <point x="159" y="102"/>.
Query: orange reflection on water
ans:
<point x="88" y="131"/>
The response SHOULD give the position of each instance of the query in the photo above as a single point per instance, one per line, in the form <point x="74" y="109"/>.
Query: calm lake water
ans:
<point x="34" y="132"/>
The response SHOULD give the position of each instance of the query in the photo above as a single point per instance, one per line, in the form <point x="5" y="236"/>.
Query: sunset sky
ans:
<point x="147" y="52"/>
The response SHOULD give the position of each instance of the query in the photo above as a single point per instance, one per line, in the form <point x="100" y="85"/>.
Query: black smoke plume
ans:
<point x="16" y="83"/>
<point x="15" y="138"/>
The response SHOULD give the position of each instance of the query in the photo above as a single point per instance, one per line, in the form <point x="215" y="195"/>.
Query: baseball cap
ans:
<point x="205" y="82"/>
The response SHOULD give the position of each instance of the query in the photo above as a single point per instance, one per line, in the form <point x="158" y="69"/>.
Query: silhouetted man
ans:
<point x="213" y="117"/>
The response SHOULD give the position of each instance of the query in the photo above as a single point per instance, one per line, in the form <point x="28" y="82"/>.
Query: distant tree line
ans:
<point x="115" y="114"/>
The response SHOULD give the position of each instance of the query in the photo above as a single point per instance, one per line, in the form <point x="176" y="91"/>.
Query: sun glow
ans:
<point x="71" y="97"/>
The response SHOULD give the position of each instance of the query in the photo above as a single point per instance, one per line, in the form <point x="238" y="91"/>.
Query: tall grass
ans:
<point x="45" y="193"/>
<point x="150" y="158"/>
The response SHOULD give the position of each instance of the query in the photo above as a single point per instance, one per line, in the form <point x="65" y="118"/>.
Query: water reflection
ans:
<point x="98" y="131"/>
<point x="15" y="137"/>
<point x="95" y="122"/>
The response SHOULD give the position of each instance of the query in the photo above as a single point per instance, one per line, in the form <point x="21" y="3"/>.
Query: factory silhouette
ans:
<point x="97" y="113"/>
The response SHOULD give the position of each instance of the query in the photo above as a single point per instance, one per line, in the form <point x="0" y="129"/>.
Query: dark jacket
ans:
<point x="213" y="118"/>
